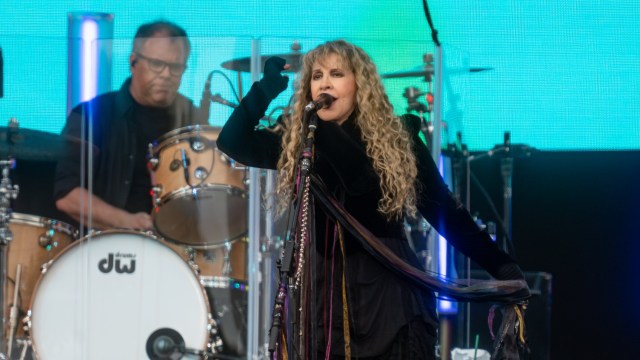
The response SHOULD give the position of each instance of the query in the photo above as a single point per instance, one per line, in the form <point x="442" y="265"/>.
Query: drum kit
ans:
<point x="178" y="292"/>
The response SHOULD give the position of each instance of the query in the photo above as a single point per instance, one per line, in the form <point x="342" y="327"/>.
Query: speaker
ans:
<point x="537" y="319"/>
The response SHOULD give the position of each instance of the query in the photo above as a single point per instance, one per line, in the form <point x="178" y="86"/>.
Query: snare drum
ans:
<point x="36" y="240"/>
<point x="199" y="197"/>
<point x="109" y="296"/>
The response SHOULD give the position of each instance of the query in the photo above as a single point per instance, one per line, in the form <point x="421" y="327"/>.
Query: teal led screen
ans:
<point x="558" y="75"/>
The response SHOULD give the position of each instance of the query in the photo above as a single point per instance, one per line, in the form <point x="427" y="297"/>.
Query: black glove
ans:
<point x="273" y="82"/>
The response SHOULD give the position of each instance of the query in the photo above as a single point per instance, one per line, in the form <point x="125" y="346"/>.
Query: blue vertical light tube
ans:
<point x="90" y="38"/>
<point x="445" y="252"/>
<point x="444" y="268"/>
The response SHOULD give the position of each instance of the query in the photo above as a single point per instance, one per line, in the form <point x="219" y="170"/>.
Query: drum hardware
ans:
<point x="8" y="192"/>
<point x="232" y="163"/>
<point x="45" y="267"/>
<point x="155" y="194"/>
<point x="216" y="343"/>
<point x="236" y="166"/>
<point x="226" y="268"/>
<point x="46" y="240"/>
<point x="412" y="94"/>
<point x="294" y="58"/>
<point x="198" y="144"/>
<point x="153" y="160"/>
<point x="220" y="100"/>
<point x="200" y="173"/>
<point x="168" y="344"/>
<point x="191" y="259"/>
<point x="175" y="165"/>
<point x="13" y="313"/>
<point x="165" y="343"/>
<point x="426" y="71"/>
<point x="185" y="166"/>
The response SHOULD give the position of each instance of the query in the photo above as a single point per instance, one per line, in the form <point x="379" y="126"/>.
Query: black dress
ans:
<point x="388" y="316"/>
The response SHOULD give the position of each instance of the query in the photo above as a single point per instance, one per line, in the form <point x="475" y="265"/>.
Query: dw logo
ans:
<point x="106" y="265"/>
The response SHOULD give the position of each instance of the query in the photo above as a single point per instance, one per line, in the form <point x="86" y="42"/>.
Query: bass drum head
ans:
<point x="105" y="295"/>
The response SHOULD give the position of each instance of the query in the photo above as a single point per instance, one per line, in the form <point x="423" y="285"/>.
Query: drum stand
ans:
<point x="8" y="192"/>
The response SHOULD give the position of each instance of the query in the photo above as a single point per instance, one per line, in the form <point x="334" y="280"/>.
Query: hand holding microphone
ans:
<point x="273" y="82"/>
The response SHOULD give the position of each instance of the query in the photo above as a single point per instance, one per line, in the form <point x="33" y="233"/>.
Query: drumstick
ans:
<point x="24" y="350"/>
<point x="13" y="314"/>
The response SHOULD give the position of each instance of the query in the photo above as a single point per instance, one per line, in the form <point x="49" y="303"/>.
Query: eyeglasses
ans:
<point x="157" y="66"/>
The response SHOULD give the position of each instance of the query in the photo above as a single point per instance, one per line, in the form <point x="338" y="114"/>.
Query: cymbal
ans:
<point x="243" y="64"/>
<point x="29" y="144"/>
<point x="427" y="69"/>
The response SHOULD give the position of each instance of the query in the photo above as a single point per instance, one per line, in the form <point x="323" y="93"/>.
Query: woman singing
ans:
<point x="378" y="169"/>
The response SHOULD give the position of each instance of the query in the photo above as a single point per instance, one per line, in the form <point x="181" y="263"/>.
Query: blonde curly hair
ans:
<point x="387" y="142"/>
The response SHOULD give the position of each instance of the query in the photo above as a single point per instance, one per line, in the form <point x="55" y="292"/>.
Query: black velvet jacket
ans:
<point x="380" y="302"/>
<point x="342" y="163"/>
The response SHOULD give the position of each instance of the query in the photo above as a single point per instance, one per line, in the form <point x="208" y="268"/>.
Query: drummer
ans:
<point x="147" y="106"/>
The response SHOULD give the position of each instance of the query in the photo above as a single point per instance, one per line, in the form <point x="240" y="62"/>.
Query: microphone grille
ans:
<point x="324" y="100"/>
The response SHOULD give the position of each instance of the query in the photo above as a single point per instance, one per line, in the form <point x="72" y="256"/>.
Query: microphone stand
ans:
<point x="8" y="192"/>
<point x="506" y="170"/>
<point x="293" y="245"/>
<point x="205" y="102"/>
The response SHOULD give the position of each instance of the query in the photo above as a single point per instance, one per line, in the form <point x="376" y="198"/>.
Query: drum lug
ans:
<point x="153" y="160"/>
<point x="226" y="267"/>
<point x="45" y="267"/>
<point x="198" y="145"/>
<point x="191" y="255"/>
<point x="200" y="173"/>
<point x="216" y="344"/>
<point x="46" y="240"/>
<point x="153" y="163"/>
<point x="155" y="193"/>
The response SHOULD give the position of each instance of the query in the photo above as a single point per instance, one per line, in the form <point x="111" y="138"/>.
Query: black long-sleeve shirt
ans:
<point x="120" y="133"/>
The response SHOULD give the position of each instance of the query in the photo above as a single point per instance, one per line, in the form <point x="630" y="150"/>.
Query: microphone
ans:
<point x="205" y="102"/>
<point x="323" y="101"/>
<point x="507" y="140"/>
<point x="165" y="344"/>
<point x="220" y="100"/>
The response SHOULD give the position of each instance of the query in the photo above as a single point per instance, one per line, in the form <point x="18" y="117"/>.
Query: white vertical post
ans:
<point x="253" y="303"/>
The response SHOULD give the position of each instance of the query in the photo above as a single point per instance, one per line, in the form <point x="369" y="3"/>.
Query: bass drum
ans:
<point x="36" y="240"/>
<point x="118" y="294"/>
